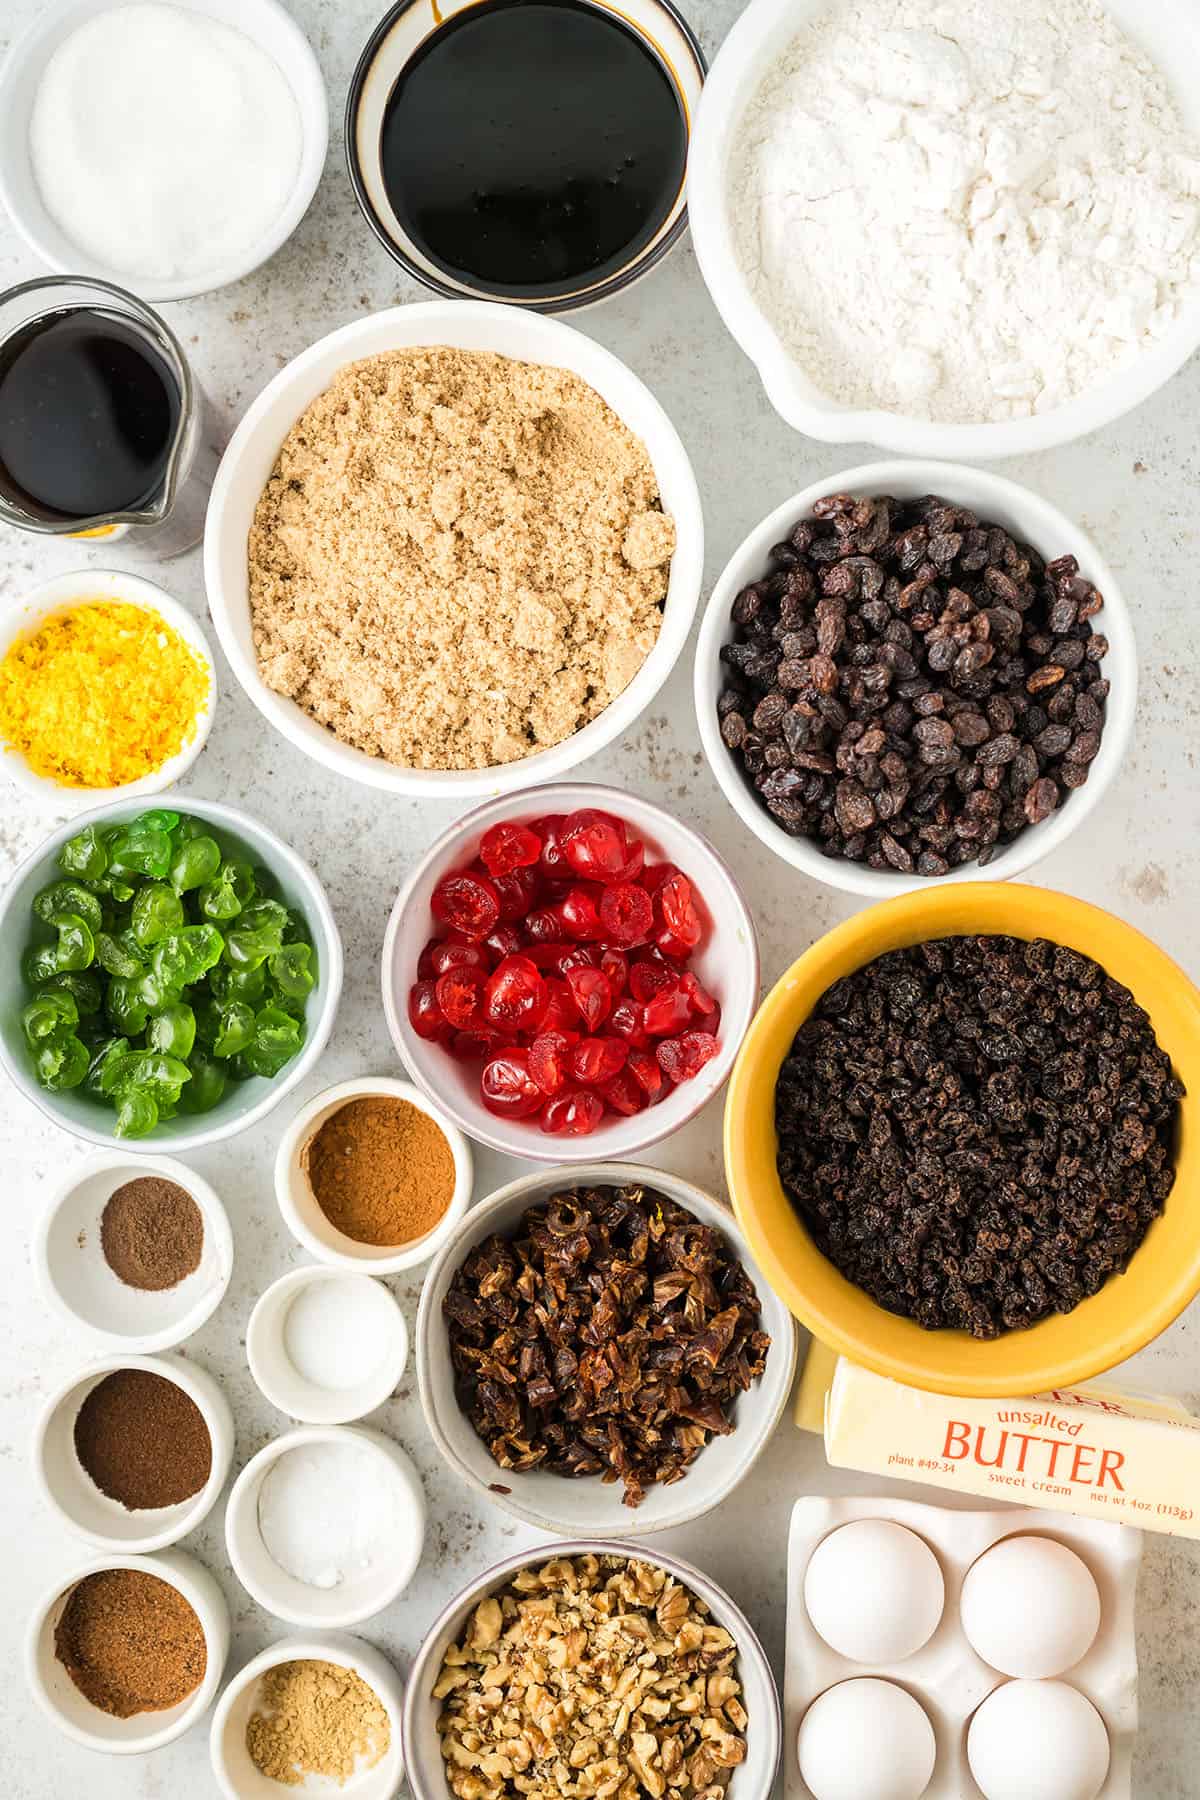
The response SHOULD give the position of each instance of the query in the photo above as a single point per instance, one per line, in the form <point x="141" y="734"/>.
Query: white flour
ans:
<point x="963" y="210"/>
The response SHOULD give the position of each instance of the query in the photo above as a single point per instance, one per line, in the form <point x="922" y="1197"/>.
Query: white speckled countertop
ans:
<point x="1134" y="486"/>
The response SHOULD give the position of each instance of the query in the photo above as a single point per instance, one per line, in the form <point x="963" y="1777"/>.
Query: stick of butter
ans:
<point x="1088" y="1450"/>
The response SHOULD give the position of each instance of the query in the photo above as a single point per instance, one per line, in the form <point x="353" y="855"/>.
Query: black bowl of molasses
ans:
<point x="526" y="151"/>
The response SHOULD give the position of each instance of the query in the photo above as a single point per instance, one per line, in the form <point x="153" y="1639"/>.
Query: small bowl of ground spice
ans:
<point x="373" y="1175"/>
<point x="138" y="1253"/>
<point x="129" y="1652"/>
<point x="133" y="1453"/>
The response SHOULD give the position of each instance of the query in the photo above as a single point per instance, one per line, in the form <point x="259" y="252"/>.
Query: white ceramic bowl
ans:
<point x="556" y="1503"/>
<point x="76" y="1717"/>
<point x="726" y="963"/>
<point x="78" y="1282"/>
<point x="297" y="1202"/>
<point x="753" y="1779"/>
<point x="71" y="1493"/>
<point x="282" y="1382"/>
<point x="237" y="1776"/>
<point x="267" y="24"/>
<point x="244" y="1104"/>
<point x="1029" y="518"/>
<point x="353" y="1600"/>
<point x="63" y="594"/>
<point x="1168" y="31"/>
<point x="465" y="325"/>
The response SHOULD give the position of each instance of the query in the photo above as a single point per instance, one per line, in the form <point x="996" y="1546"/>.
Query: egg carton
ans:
<point x="946" y="1675"/>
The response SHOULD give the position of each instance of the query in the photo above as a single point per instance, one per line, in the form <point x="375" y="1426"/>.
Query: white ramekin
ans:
<point x="1029" y="518"/>
<point x="298" y="1204"/>
<point x="556" y="1503"/>
<point x="465" y="325"/>
<point x="78" y="1283"/>
<point x="282" y="1383"/>
<point x="247" y="1102"/>
<point x="71" y="1493"/>
<point x="237" y="1776"/>
<point x="76" y="1717"/>
<point x="267" y="24"/>
<point x="63" y="594"/>
<point x="1168" y="31"/>
<point x="313" y="1608"/>
<point x="726" y="963"/>
<point x="753" y="1779"/>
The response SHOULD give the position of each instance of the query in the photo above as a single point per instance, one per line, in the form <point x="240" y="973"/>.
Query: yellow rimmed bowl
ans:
<point x="1130" y="1310"/>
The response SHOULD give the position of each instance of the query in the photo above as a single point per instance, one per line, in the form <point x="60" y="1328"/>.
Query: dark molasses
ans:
<point x="533" y="147"/>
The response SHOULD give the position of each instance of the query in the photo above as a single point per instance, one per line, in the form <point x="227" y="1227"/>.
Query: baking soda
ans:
<point x="328" y="1514"/>
<point x="338" y="1330"/>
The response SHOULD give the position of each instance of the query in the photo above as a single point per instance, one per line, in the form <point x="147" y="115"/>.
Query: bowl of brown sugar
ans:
<point x="373" y="1176"/>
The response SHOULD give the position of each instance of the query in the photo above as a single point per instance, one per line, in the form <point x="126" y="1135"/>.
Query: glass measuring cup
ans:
<point x="169" y="519"/>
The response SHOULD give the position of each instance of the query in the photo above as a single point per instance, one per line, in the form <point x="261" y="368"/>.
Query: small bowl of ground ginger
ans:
<point x="107" y="690"/>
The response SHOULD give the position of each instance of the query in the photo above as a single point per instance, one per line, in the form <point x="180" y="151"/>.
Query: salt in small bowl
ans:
<point x="286" y="1386"/>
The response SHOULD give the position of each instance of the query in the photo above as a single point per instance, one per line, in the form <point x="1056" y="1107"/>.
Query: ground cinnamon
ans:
<point x="151" y="1233"/>
<point x="381" y="1171"/>
<point x="143" y="1440"/>
<point x="130" y="1642"/>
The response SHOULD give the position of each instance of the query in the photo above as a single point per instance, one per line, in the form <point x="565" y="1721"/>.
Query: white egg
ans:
<point x="866" y="1740"/>
<point x="874" y="1591"/>
<point x="1030" y="1607"/>
<point x="1038" y="1740"/>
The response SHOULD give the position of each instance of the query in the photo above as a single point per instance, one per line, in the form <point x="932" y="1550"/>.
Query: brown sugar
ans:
<point x="143" y="1440"/>
<point x="316" y="1718"/>
<point x="130" y="1642"/>
<point x="381" y="1171"/>
<point x="151" y="1233"/>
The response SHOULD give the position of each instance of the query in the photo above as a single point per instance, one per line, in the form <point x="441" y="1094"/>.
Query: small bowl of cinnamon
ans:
<point x="373" y="1176"/>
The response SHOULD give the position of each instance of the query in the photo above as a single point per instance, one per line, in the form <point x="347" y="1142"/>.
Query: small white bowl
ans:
<point x="78" y="1282"/>
<point x="237" y="1776"/>
<point x="63" y="594"/>
<point x="726" y="963"/>
<point x="352" y="1601"/>
<point x="268" y="25"/>
<point x="1168" y="31"/>
<point x="1030" y="518"/>
<point x="69" y="1490"/>
<point x="752" y="1779"/>
<point x="244" y="1104"/>
<point x="76" y="1717"/>
<point x="298" y="1204"/>
<point x="465" y="325"/>
<point x="284" y="1385"/>
<point x="556" y="1503"/>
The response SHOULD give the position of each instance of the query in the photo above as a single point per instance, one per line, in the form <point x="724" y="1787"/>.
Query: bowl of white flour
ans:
<point x="952" y="229"/>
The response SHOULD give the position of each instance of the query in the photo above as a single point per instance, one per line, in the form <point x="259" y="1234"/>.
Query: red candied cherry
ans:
<point x="626" y="912"/>
<point x="597" y="1059"/>
<point x="509" y="846"/>
<point x="543" y="926"/>
<point x="580" y="956"/>
<point x="574" y="1113"/>
<point x="550" y="1059"/>
<point x="676" y="912"/>
<point x="643" y="1067"/>
<point x="506" y="940"/>
<point x="667" y="1013"/>
<point x="622" y="1094"/>
<point x="626" y="1021"/>
<point x="515" y="995"/>
<point x="615" y="964"/>
<point x="517" y="893"/>
<point x="654" y="874"/>
<point x="696" y="995"/>
<point x="549" y="954"/>
<point x="580" y="915"/>
<point x="649" y="978"/>
<point x="475" y="1044"/>
<point x="424" y="1013"/>
<point x="592" y="994"/>
<point x="561" y="1012"/>
<point x="448" y="954"/>
<point x="459" y="992"/>
<point x="597" y="847"/>
<point x="551" y="862"/>
<point x="682" y="1057"/>
<point x="506" y="1086"/>
<point x="467" y="901"/>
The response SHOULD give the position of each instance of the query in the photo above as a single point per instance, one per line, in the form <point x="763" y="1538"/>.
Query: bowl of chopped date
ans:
<point x="569" y="973"/>
<point x="915" y="672"/>
<point x="597" y="1351"/>
<point x="646" y="1666"/>
<point x="961" y="1136"/>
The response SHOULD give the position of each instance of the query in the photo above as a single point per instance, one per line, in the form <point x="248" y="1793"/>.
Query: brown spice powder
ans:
<point x="381" y="1171"/>
<point x="316" y="1718"/>
<point x="152" y="1234"/>
<point x="143" y="1440"/>
<point x="458" y="559"/>
<point x="130" y="1642"/>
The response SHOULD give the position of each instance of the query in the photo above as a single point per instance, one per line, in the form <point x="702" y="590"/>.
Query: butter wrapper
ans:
<point x="1092" y="1450"/>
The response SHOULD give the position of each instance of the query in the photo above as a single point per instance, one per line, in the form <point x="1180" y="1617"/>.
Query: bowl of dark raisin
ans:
<point x="598" y="1352"/>
<point x="960" y="1139"/>
<point x="915" y="673"/>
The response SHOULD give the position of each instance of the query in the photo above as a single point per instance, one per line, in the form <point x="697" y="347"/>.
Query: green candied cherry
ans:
<point x="84" y="987"/>
<point x="61" y="1062"/>
<point x="292" y="972"/>
<point x="76" y="948"/>
<point x="68" y="897"/>
<point x="99" y="1081"/>
<point x="119" y="953"/>
<point x="186" y="954"/>
<point x="230" y="890"/>
<point x="173" y="1030"/>
<point x="139" y="849"/>
<point x="257" y="935"/>
<point x="277" y="1038"/>
<point x="191" y="827"/>
<point x="206" y="1087"/>
<point x="194" y="863"/>
<point x="156" y="910"/>
<point x="85" y="855"/>
<point x="235" y="1031"/>
<point x="39" y="964"/>
<point x="49" y="1016"/>
<point x="137" y="1114"/>
<point x="296" y="930"/>
<point x="239" y="984"/>
<point x="124" y="1006"/>
<point x="159" y="818"/>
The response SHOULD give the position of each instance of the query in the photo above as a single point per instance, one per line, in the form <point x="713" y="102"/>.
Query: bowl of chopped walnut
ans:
<point x="591" y="1675"/>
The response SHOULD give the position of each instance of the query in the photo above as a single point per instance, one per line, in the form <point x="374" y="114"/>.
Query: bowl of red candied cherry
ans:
<point x="575" y="971"/>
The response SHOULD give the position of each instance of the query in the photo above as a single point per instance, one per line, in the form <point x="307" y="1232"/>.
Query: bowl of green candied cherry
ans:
<point x="166" y="974"/>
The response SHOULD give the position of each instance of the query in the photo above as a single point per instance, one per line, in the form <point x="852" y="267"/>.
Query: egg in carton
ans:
<point x="895" y="1604"/>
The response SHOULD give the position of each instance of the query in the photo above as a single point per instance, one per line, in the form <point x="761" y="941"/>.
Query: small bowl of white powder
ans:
<point x="327" y="1346"/>
<point x="954" y="230"/>
<point x="168" y="148"/>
